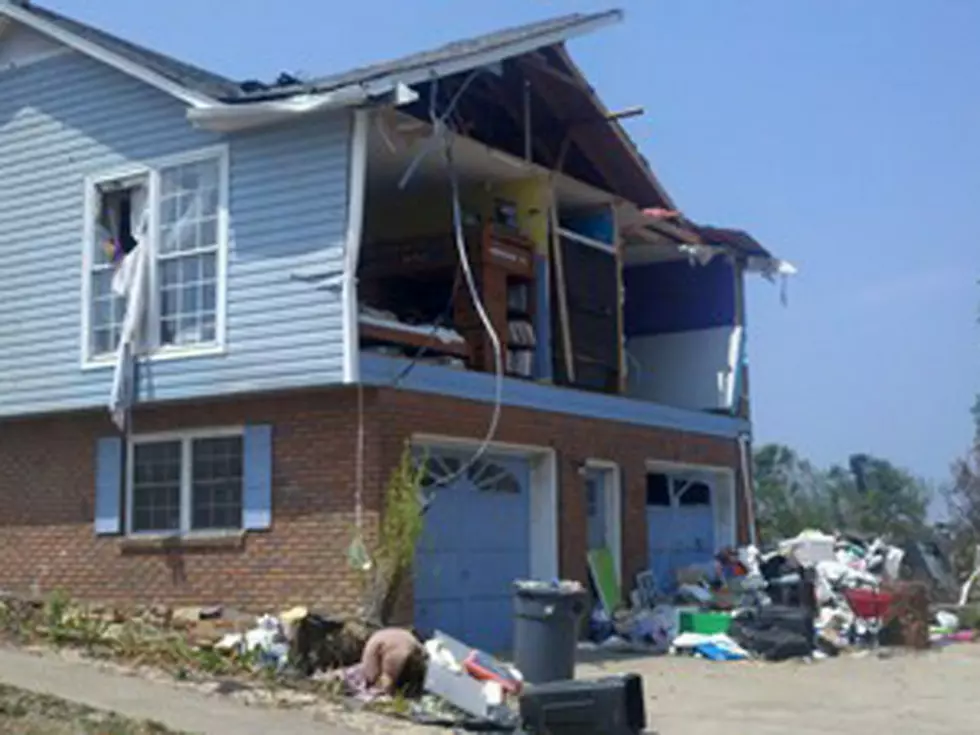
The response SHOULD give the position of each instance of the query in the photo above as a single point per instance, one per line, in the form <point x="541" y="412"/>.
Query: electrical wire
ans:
<point x="441" y="133"/>
<point x="439" y="127"/>
<point x="481" y="311"/>
<point x="436" y="325"/>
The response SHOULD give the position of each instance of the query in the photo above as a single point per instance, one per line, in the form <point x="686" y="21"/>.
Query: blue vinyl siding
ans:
<point x="67" y="117"/>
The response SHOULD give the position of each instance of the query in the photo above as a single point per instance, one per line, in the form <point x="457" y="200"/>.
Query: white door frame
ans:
<point x="716" y="477"/>
<point x="612" y="496"/>
<point x="543" y="530"/>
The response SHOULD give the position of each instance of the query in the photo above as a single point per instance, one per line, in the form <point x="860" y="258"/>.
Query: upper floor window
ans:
<point x="175" y="211"/>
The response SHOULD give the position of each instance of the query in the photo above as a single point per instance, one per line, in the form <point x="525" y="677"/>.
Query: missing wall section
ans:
<point x="589" y="290"/>
<point x="120" y="206"/>
<point x="119" y="203"/>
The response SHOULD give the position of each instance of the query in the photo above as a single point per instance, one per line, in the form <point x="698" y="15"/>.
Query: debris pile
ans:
<point x="814" y="595"/>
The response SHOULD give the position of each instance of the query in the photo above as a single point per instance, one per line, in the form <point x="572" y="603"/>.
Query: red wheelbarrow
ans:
<point x="870" y="605"/>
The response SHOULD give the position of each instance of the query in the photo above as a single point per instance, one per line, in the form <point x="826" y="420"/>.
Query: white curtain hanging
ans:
<point x="130" y="282"/>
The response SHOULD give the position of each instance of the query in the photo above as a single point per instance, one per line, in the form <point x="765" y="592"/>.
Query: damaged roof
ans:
<point x="738" y="240"/>
<point x="621" y="168"/>
<point x="224" y="89"/>
<point x="448" y="52"/>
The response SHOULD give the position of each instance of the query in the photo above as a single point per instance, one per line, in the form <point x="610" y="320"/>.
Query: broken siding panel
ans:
<point x="68" y="117"/>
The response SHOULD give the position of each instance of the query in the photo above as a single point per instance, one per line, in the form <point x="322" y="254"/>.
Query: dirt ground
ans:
<point x="26" y="713"/>
<point x="934" y="693"/>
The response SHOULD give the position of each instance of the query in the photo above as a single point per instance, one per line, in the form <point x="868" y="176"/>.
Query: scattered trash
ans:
<point x="812" y="596"/>
<point x="476" y="699"/>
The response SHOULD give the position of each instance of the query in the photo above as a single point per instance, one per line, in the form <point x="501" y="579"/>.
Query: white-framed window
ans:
<point x="176" y="209"/>
<point x="185" y="483"/>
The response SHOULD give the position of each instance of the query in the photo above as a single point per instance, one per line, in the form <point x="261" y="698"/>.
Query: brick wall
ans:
<point x="47" y="485"/>
<point x="47" y="538"/>
<point x="400" y="414"/>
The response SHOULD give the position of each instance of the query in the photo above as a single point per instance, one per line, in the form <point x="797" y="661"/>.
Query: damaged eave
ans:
<point x="227" y="118"/>
<point x="493" y="54"/>
<point x="755" y="257"/>
<point x="393" y="88"/>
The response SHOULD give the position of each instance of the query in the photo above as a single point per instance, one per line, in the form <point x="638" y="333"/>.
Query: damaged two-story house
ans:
<point x="229" y="306"/>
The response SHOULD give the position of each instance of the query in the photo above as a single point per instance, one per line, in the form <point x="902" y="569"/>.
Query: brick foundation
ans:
<point x="47" y="538"/>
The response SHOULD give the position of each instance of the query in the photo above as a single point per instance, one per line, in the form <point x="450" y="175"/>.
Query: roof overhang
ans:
<point x="393" y="88"/>
<point x="744" y="248"/>
<point x="15" y="12"/>
<point x="702" y="243"/>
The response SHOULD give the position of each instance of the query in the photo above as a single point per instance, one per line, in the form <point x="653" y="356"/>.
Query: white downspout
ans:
<point x="356" y="184"/>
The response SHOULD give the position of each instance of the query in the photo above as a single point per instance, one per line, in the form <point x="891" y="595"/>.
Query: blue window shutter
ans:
<point x="257" y="491"/>
<point x="108" y="485"/>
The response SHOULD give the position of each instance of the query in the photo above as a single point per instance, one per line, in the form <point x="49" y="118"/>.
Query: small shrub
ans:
<point x="401" y="528"/>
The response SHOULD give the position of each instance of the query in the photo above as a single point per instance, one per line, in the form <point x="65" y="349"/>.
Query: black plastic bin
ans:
<point x="546" y="621"/>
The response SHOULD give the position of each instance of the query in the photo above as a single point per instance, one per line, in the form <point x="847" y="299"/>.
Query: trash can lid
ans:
<point x="534" y="587"/>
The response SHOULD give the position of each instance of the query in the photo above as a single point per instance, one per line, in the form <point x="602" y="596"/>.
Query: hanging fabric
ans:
<point x="130" y="282"/>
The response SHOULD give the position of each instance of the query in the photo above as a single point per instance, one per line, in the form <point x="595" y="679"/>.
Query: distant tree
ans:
<point x="790" y="494"/>
<point x="870" y="496"/>
<point x="963" y="499"/>
<point x="873" y="496"/>
<point x="963" y="502"/>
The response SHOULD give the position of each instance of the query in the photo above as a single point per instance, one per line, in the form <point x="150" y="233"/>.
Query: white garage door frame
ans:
<point x="543" y="563"/>
<point x="613" y="515"/>
<point x="721" y="481"/>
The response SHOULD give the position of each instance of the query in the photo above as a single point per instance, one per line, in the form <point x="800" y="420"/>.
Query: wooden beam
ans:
<point x="561" y="293"/>
<point x="601" y="166"/>
<point x="504" y="100"/>
<point x="539" y="62"/>
<point x="572" y="68"/>
<point x="620" y="301"/>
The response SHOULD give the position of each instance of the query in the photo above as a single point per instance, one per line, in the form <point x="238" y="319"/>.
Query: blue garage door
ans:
<point x="680" y="526"/>
<point x="474" y="544"/>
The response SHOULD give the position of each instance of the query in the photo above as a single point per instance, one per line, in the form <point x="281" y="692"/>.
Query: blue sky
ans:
<point x="844" y="135"/>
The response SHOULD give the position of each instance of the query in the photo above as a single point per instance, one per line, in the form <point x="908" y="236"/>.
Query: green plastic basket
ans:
<point x="705" y="623"/>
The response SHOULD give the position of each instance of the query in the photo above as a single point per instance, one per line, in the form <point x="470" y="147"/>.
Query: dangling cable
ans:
<point x="498" y="361"/>
<point x="357" y="553"/>
<point x="441" y="133"/>
<point x="359" y="462"/>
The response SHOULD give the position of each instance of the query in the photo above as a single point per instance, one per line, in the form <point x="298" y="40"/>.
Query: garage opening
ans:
<point x="477" y="539"/>
<point x="690" y="516"/>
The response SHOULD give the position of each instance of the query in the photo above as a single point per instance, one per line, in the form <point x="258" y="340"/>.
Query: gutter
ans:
<point x="228" y="118"/>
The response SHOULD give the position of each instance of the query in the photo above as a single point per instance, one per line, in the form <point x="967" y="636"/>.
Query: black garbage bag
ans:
<point x="774" y="632"/>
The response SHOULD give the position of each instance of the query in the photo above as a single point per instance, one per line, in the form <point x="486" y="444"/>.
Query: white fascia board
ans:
<point x="227" y="118"/>
<point x="493" y="56"/>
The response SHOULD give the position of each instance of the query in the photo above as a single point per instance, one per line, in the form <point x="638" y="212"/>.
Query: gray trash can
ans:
<point x="546" y="620"/>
